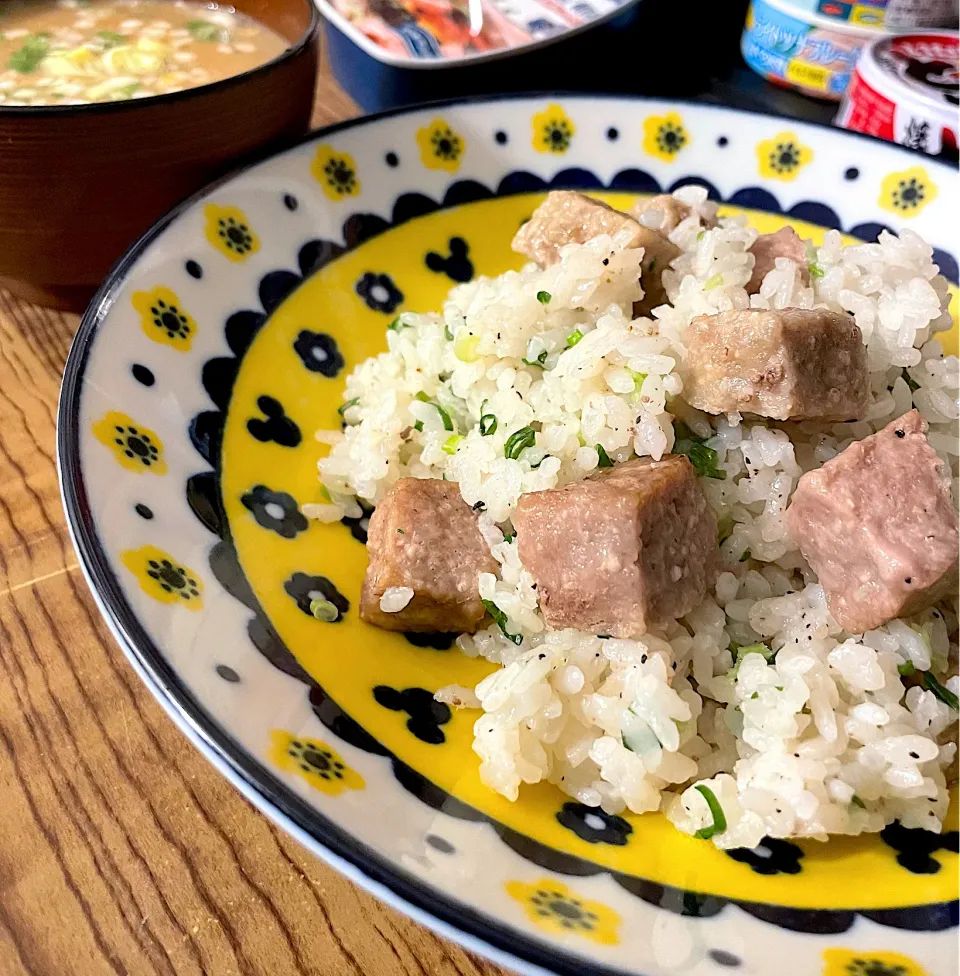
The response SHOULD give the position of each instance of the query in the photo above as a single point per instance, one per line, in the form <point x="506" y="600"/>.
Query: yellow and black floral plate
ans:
<point x="217" y="347"/>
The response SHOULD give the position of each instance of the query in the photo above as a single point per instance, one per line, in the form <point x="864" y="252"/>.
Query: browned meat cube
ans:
<point x="666" y="210"/>
<point x="624" y="550"/>
<point x="787" y="364"/>
<point x="785" y="243"/>
<point x="569" y="217"/>
<point x="877" y="526"/>
<point x="424" y="536"/>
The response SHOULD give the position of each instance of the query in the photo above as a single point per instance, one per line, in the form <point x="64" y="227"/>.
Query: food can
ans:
<point x="802" y="49"/>
<point x="892" y="15"/>
<point x="904" y="89"/>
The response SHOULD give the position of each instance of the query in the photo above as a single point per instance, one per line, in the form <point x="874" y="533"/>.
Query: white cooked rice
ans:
<point x="824" y="739"/>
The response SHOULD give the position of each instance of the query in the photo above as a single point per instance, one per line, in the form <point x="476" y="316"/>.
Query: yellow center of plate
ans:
<point x="349" y="659"/>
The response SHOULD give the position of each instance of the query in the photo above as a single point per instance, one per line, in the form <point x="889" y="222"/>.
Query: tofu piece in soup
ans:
<point x="786" y="364"/>
<point x="877" y="526"/>
<point x="785" y="243"/>
<point x="567" y="217"/>
<point x="627" y="549"/>
<point x="424" y="536"/>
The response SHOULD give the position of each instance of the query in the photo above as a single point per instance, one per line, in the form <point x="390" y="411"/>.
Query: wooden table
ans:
<point x="121" y="850"/>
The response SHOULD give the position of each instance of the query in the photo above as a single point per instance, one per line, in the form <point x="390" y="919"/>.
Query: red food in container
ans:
<point x="904" y="89"/>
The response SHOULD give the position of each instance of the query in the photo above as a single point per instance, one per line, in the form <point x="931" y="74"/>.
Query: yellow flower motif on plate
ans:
<point x="164" y="319"/>
<point x="163" y="578"/>
<point x="336" y="172"/>
<point x="553" y="130"/>
<point x="321" y="766"/>
<point x="229" y="231"/>
<point x="906" y="193"/>
<point x="136" y="447"/>
<point x="847" y="962"/>
<point x="664" y="136"/>
<point x="782" y="157"/>
<point x="557" y="909"/>
<point x="440" y="146"/>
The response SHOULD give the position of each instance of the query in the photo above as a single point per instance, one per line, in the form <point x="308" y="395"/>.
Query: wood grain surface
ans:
<point x="121" y="850"/>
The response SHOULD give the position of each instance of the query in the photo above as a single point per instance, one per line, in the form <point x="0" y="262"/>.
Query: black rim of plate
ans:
<point x="270" y="793"/>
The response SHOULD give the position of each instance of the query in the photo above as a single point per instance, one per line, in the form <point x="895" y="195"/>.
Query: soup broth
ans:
<point x="71" y="52"/>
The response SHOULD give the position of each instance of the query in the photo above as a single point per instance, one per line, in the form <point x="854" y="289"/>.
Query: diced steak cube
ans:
<point x="664" y="213"/>
<point x="785" y="243"/>
<point x="424" y="536"/>
<point x="787" y="364"/>
<point x="567" y="217"/>
<point x="877" y="526"/>
<point x="622" y="551"/>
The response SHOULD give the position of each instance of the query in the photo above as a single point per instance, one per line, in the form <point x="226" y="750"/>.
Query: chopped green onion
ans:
<point x="638" y="737"/>
<point x="907" y="668"/>
<point x="541" y="359"/>
<point x="724" y="528"/>
<point x="488" y="425"/>
<point x="715" y="281"/>
<point x="418" y="425"/>
<point x="574" y="338"/>
<point x="944" y="694"/>
<point x="26" y="58"/>
<point x="395" y="325"/>
<point x="815" y="270"/>
<point x="110" y="38"/>
<point x="543" y="297"/>
<point x="509" y="536"/>
<point x="719" y="824"/>
<point x="447" y="334"/>
<point x="344" y="407"/>
<point x="741" y="651"/>
<point x="910" y="381"/>
<point x="518" y="441"/>
<point x="746" y="555"/>
<point x="324" y="610"/>
<point x="704" y="459"/>
<point x="451" y="444"/>
<point x="700" y="235"/>
<point x="652" y="264"/>
<point x="325" y="493"/>
<point x="857" y="802"/>
<point x="638" y="379"/>
<point x="500" y="619"/>
<point x="203" y="30"/>
<point x="605" y="461"/>
<point x="444" y="416"/>
<point x="465" y="347"/>
<point x="401" y="532"/>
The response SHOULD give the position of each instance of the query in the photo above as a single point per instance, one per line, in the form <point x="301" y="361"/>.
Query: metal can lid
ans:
<point x="920" y="68"/>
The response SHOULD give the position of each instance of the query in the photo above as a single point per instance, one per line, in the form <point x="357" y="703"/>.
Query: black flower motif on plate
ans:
<point x="319" y="352"/>
<point x="358" y="526"/>
<point x="275" y="510"/>
<point x="594" y="825"/>
<point x="276" y="426"/>
<point x="305" y="589"/>
<point x="770" y="856"/>
<point x="915" y="846"/>
<point x="439" y="642"/>
<point x="426" y="714"/>
<point x="379" y="292"/>
<point x="457" y="265"/>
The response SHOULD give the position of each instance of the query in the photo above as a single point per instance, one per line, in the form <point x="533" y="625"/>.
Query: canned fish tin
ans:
<point x="801" y="49"/>
<point x="905" y="89"/>
<point x="893" y="15"/>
